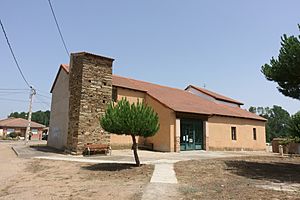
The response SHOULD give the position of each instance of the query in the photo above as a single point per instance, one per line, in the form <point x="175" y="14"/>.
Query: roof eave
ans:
<point x="57" y="74"/>
<point x="225" y="100"/>
<point x="241" y="117"/>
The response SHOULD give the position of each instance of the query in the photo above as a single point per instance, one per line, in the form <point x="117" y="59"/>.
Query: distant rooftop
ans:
<point x="19" y="123"/>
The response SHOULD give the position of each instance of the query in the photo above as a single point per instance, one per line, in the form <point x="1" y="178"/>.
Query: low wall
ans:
<point x="292" y="148"/>
<point x="275" y="144"/>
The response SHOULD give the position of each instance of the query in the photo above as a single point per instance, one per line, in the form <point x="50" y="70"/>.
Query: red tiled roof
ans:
<point x="19" y="122"/>
<point x="65" y="67"/>
<point x="181" y="100"/>
<point x="215" y="95"/>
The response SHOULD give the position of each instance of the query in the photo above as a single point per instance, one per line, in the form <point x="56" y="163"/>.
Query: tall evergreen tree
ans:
<point x="286" y="69"/>
<point x="137" y="119"/>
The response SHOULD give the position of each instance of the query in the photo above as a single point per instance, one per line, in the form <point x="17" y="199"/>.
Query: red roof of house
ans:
<point x="181" y="100"/>
<point x="215" y="95"/>
<point x="19" y="122"/>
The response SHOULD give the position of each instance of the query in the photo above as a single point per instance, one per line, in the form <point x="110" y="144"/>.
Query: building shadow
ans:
<point x="274" y="171"/>
<point x="46" y="149"/>
<point x="109" y="167"/>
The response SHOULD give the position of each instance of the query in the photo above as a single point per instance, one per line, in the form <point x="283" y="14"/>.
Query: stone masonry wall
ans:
<point x="90" y="86"/>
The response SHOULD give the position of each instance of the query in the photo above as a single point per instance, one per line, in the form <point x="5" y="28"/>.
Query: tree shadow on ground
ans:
<point x="109" y="167"/>
<point x="274" y="171"/>
<point x="46" y="149"/>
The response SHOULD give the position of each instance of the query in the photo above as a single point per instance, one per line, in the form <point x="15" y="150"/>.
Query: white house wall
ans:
<point x="59" y="118"/>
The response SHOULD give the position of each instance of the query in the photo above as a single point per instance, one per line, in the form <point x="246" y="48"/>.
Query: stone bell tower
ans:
<point x="90" y="87"/>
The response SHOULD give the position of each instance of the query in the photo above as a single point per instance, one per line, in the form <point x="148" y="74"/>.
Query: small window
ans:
<point x="254" y="133"/>
<point x="114" y="94"/>
<point x="233" y="133"/>
<point x="34" y="131"/>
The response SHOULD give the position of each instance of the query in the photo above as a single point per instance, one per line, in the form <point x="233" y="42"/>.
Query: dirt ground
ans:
<point x="260" y="177"/>
<point x="240" y="178"/>
<point x="44" y="179"/>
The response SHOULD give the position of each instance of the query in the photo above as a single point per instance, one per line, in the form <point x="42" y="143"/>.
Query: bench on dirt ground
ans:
<point x="96" y="148"/>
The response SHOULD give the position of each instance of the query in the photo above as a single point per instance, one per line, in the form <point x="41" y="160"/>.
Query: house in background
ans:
<point x="190" y="119"/>
<point x="19" y="125"/>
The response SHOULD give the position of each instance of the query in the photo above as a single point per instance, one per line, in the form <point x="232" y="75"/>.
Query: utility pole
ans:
<point x="32" y="92"/>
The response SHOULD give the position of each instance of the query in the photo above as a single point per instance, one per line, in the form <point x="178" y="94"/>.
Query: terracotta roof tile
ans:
<point x="19" y="122"/>
<point x="184" y="101"/>
<point x="65" y="67"/>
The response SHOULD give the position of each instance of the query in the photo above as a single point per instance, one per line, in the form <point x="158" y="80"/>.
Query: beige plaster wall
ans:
<point x="219" y="134"/>
<point x="59" y="118"/>
<point x="164" y="139"/>
<point x="133" y="97"/>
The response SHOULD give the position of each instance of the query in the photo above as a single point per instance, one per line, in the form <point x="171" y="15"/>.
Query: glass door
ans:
<point x="191" y="134"/>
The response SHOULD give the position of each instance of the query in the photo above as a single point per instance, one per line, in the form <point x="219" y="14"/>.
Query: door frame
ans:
<point x="196" y="127"/>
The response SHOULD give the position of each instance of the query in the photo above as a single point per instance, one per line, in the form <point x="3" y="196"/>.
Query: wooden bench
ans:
<point x="95" y="148"/>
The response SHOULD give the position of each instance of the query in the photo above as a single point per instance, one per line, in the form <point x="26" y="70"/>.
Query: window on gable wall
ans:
<point x="254" y="133"/>
<point x="233" y="133"/>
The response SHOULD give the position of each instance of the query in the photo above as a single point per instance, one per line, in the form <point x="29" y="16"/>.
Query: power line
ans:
<point x="43" y="92"/>
<point x="7" y="89"/>
<point x="11" y="93"/>
<point x="44" y="96"/>
<point x="23" y="101"/>
<point x="14" y="55"/>
<point x="41" y="101"/>
<point x="61" y="36"/>
<point x="8" y="99"/>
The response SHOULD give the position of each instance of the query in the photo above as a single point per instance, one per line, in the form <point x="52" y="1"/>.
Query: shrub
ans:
<point x="13" y="134"/>
<point x="294" y="125"/>
<point x="287" y="141"/>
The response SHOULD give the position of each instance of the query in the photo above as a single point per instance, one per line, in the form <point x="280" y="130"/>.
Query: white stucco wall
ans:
<point x="59" y="118"/>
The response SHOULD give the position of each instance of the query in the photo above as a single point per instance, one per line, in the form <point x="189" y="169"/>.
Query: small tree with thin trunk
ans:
<point x="137" y="119"/>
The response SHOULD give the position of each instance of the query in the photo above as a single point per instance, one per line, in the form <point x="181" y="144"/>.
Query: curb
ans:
<point x="16" y="152"/>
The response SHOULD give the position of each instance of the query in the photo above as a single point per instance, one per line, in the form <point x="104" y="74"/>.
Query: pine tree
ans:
<point x="137" y="119"/>
<point x="286" y="69"/>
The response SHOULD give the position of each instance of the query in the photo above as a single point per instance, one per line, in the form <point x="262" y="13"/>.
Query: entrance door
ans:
<point x="191" y="134"/>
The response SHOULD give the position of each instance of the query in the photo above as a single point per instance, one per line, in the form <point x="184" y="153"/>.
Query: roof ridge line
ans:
<point x="132" y="79"/>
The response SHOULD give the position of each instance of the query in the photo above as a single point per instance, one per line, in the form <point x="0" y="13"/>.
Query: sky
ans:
<point x="219" y="44"/>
